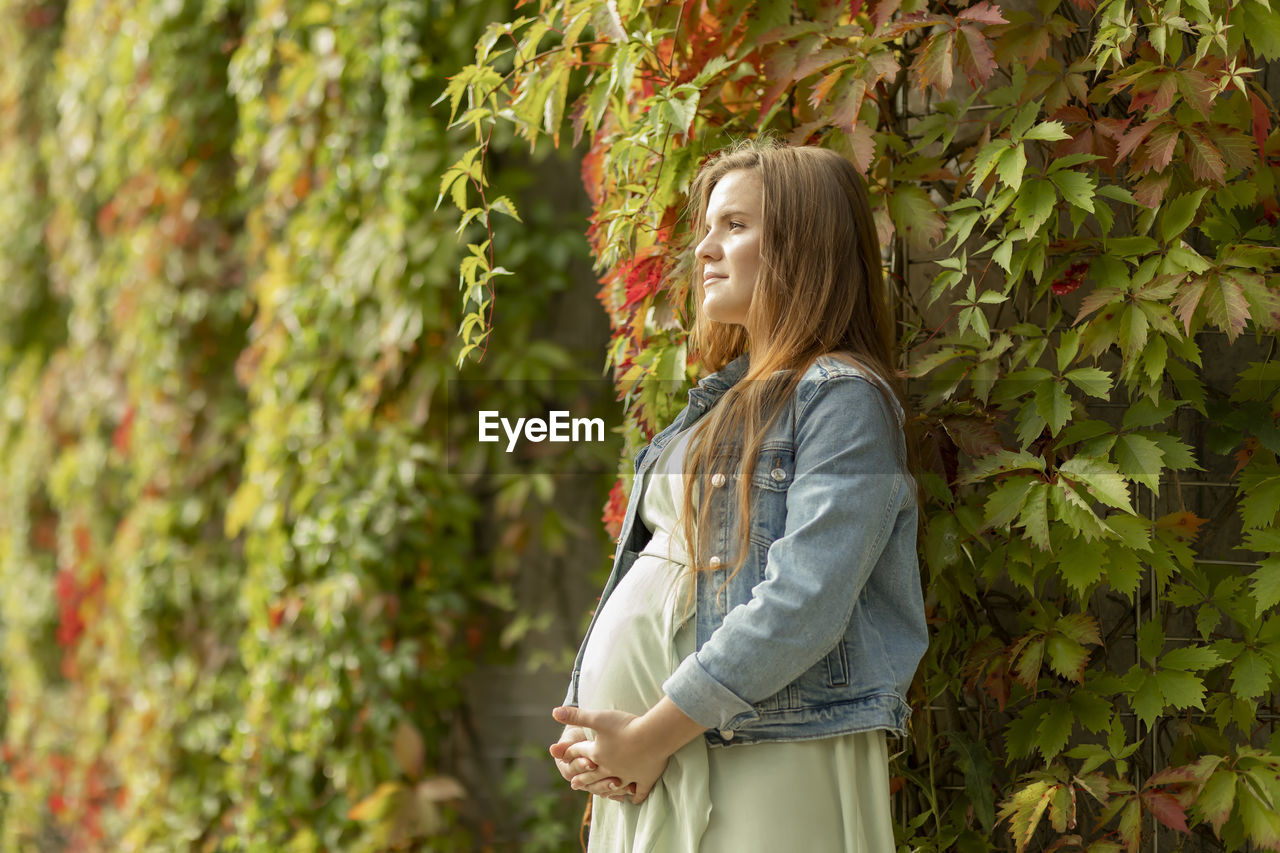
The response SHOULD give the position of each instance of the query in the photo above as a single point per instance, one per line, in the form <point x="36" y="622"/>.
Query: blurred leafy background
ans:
<point x="246" y="603"/>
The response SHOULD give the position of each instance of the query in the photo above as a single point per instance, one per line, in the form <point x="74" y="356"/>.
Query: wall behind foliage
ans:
<point x="241" y="584"/>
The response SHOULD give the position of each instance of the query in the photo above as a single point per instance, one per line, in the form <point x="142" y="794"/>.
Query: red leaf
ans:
<point x="614" y="511"/>
<point x="1154" y="94"/>
<point x="1133" y="138"/>
<point x="975" y="436"/>
<point x="974" y="54"/>
<point x="120" y="439"/>
<point x="1149" y="191"/>
<point x="1261" y="120"/>
<point x="1202" y="154"/>
<point x="1197" y="89"/>
<point x="1166" y="809"/>
<point x="908" y="23"/>
<point x="864" y="146"/>
<point x="881" y="11"/>
<point x="1159" y="147"/>
<point x="982" y="13"/>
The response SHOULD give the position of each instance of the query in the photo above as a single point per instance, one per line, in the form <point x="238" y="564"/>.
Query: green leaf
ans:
<point x="1053" y="404"/>
<point x="1055" y="729"/>
<point x="1181" y="689"/>
<point x="1214" y="802"/>
<point x="985" y="160"/>
<point x="1140" y="459"/>
<point x="1075" y="512"/>
<point x="1048" y="131"/>
<point x="1066" y="656"/>
<point x="1005" y="502"/>
<point x="680" y="112"/>
<point x="1010" y="166"/>
<point x="1192" y="658"/>
<point x="1177" y="214"/>
<point x="1266" y="585"/>
<point x="1177" y="456"/>
<point x="1250" y="675"/>
<point x="1100" y="479"/>
<point x="1001" y="463"/>
<point x="1124" y="571"/>
<point x="1150" y="641"/>
<point x="1258" y="813"/>
<point x="1035" y="204"/>
<point x="1134" y="531"/>
<point x="1025" y="809"/>
<point x="1083" y="431"/>
<point x="1076" y="187"/>
<point x="1035" y="516"/>
<point x="1259" y="500"/>
<point x="915" y="216"/>
<point x="1080" y="564"/>
<point x="504" y="205"/>
<point x="1092" y="381"/>
<point x="1092" y="710"/>
<point x="1147" y="700"/>
<point x="974" y="762"/>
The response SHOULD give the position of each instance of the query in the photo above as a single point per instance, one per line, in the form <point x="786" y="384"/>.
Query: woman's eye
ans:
<point x="733" y="225"/>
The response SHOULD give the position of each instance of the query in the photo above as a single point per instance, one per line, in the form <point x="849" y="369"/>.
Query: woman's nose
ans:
<point x="707" y="248"/>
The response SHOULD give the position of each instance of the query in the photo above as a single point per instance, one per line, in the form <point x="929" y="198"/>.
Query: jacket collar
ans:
<point x="711" y="387"/>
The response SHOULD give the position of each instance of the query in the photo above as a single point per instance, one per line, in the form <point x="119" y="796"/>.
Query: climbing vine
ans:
<point x="1078" y="202"/>
<point x="242" y="582"/>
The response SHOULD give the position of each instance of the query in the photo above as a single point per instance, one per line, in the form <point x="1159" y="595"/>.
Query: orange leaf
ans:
<point x="933" y="64"/>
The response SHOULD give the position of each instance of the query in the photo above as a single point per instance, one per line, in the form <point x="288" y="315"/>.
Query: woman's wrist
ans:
<point x="664" y="728"/>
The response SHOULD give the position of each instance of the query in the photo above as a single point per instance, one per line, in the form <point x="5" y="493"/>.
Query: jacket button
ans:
<point x="717" y="479"/>
<point x="727" y="734"/>
<point x="715" y="561"/>
<point x="778" y="474"/>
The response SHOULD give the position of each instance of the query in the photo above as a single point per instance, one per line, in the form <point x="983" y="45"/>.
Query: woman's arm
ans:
<point x="842" y="506"/>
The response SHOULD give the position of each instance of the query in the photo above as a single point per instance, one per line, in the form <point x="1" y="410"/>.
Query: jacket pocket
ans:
<point x="775" y="467"/>
<point x="837" y="661"/>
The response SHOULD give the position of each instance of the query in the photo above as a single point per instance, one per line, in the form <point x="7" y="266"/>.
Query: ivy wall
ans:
<point x="241" y="584"/>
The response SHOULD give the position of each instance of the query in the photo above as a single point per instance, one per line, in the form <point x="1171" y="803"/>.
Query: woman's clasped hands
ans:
<point x="621" y="763"/>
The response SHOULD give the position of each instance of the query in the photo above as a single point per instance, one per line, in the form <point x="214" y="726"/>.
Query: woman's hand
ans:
<point x="622" y="751"/>
<point x="572" y="767"/>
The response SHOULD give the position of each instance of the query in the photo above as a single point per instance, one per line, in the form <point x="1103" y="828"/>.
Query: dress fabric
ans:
<point x="829" y="795"/>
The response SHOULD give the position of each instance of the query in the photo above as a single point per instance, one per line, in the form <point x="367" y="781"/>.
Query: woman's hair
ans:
<point x="820" y="290"/>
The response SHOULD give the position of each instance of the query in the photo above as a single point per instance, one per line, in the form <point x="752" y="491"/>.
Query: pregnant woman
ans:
<point x="763" y="620"/>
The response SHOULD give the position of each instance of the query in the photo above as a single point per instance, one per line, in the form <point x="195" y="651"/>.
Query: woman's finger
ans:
<point x="583" y="781"/>
<point x="608" y="787"/>
<point x="581" y="765"/>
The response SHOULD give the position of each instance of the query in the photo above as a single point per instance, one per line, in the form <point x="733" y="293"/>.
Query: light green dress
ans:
<point x="820" y="796"/>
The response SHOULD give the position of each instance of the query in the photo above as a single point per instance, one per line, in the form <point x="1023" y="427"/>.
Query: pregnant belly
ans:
<point x="629" y="653"/>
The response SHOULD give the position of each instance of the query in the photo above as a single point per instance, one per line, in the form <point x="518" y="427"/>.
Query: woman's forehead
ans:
<point x="738" y="191"/>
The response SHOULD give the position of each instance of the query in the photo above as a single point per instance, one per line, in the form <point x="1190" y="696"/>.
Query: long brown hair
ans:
<point x="820" y="290"/>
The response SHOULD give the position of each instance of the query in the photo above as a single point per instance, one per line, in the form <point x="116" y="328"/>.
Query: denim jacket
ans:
<point x="820" y="632"/>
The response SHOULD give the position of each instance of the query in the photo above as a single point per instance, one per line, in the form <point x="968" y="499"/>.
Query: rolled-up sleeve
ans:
<point x="848" y="489"/>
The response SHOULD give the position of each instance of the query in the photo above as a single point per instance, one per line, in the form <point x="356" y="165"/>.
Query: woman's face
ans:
<point x="730" y="250"/>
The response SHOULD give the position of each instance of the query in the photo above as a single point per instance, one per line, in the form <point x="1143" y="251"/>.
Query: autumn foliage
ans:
<point x="1078" y="207"/>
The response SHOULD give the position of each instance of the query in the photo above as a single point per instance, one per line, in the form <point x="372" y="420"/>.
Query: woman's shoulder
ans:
<point x="836" y="375"/>
<point x="833" y="365"/>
